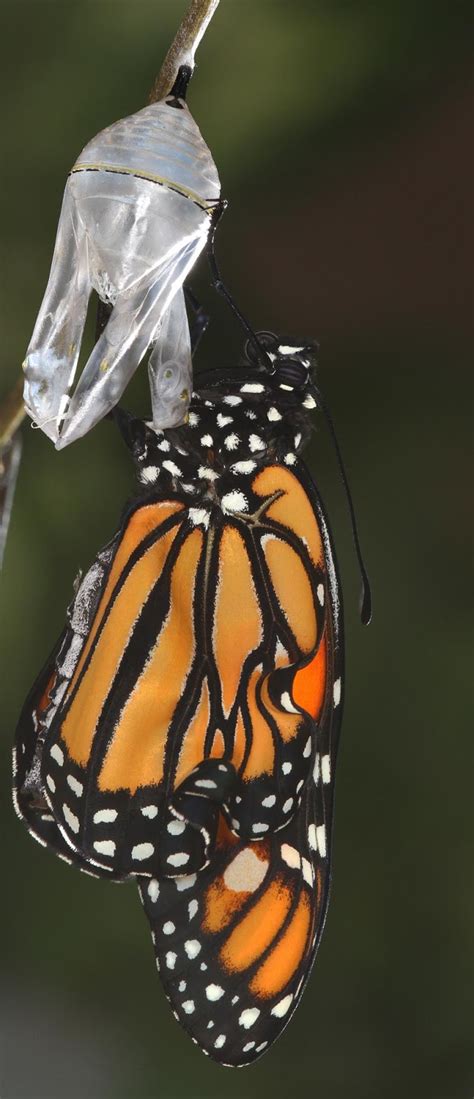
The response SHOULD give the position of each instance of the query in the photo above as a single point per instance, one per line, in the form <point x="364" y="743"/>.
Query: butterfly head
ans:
<point x="288" y="361"/>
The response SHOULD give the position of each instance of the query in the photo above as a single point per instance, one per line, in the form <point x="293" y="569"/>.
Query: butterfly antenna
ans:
<point x="366" y="594"/>
<point x="221" y="288"/>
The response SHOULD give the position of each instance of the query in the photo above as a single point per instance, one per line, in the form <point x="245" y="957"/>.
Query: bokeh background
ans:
<point x="343" y="136"/>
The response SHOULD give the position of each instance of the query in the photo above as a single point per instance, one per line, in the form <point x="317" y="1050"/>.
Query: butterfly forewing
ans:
<point x="185" y="729"/>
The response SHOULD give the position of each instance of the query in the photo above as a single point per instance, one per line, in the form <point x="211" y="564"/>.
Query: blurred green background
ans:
<point x="342" y="132"/>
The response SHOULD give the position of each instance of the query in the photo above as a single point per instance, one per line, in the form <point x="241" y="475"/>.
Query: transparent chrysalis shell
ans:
<point x="136" y="214"/>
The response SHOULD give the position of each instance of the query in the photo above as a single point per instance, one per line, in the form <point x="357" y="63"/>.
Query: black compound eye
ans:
<point x="269" y="344"/>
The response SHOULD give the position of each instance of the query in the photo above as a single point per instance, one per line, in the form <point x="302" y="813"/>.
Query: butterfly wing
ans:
<point x="32" y="794"/>
<point x="235" y="943"/>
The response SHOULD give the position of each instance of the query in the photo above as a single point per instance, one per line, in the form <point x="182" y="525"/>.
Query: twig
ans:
<point x="12" y="413"/>
<point x="181" y="52"/>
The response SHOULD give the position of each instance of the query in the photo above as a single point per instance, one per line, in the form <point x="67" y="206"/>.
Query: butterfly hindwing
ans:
<point x="235" y="943"/>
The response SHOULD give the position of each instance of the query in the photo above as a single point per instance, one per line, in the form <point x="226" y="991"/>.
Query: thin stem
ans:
<point x="12" y="414"/>
<point x="181" y="52"/>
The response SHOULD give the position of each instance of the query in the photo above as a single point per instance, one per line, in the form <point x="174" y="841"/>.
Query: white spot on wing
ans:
<point x="269" y="801"/>
<point x="70" y="819"/>
<point x="104" y="847"/>
<point x="246" y="871"/>
<point x="168" y="927"/>
<point x="291" y="856"/>
<point x="252" y="387"/>
<point x="282" y="1007"/>
<point x="312" y="837"/>
<point x="105" y="816"/>
<point x="185" y="882"/>
<point x="249" y="1017"/>
<point x="171" y="959"/>
<point x="192" y="948"/>
<point x="76" y="786"/>
<point x="153" y="890"/>
<point x="150" y="811"/>
<point x="142" y="851"/>
<point x="176" y="827"/>
<point x="219" y="1042"/>
<point x="256" y="443"/>
<point x="307" y="871"/>
<point x="188" y="1007"/>
<point x="180" y="859"/>
<point x="336" y="692"/>
<point x="326" y="769"/>
<point x="57" y="754"/>
<point x="214" y="992"/>
<point x="321" y="834"/>
<point x="273" y="414"/>
<point x="287" y="703"/>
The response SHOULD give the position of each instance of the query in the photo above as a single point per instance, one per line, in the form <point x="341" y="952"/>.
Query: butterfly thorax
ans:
<point x="233" y="429"/>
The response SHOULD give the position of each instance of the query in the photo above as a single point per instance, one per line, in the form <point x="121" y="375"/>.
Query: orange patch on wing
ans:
<point x="136" y="754"/>
<point x="309" y="684"/>
<point x="286" y="956"/>
<point x="80" y="723"/>
<point x="293" y="591"/>
<point x="143" y="521"/>
<point x="237" y="620"/>
<point x="192" y="748"/>
<point x="261" y="759"/>
<point x="288" y="724"/>
<point x="256" y="931"/>
<point x="293" y="509"/>
<point x="240" y="742"/>
<point x="225" y="837"/>
<point x="221" y="904"/>
<point x="45" y="698"/>
<point x="218" y="745"/>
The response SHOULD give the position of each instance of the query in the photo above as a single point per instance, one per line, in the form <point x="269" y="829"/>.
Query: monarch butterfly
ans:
<point x="185" y="729"/>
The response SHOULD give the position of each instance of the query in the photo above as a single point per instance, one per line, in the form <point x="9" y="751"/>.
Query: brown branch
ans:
<point x="182" y="50"/>
<point x="12" y="414"/>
